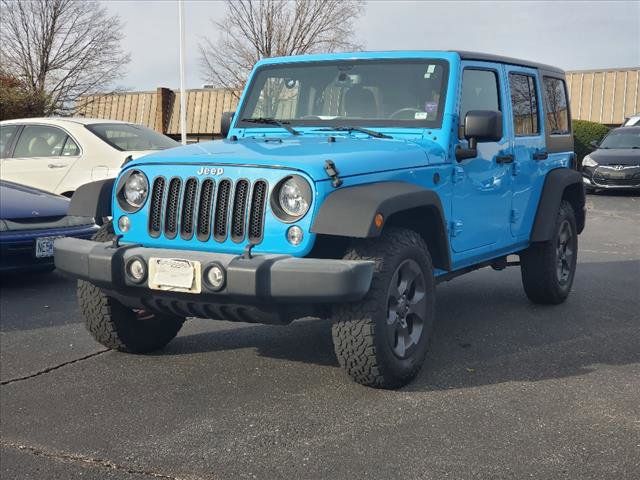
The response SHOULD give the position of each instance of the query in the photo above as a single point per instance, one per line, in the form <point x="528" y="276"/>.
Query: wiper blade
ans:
<point x="366" y="131"/>
<point x="272" y="121"/>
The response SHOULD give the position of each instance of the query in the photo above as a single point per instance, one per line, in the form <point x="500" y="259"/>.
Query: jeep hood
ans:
<point x="352" y="155"/>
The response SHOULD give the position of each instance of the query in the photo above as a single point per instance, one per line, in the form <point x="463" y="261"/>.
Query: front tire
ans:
<point x="117" y="326"/>
<point x="381" y="341"/>
<point x="548" y="268"/>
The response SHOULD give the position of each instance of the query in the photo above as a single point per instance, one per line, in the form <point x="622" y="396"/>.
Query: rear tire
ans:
<point x="381" y="341"/>
<point x="548" y="268"/>
<point x="117" y="326"/>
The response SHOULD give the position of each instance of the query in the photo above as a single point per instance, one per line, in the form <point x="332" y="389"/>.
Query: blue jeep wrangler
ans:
<point x="347" y="187"/>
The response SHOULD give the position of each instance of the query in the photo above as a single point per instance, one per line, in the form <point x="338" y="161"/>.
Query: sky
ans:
<point x="572" y="35"/>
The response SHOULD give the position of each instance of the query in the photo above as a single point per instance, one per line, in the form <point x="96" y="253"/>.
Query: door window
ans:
<point x="525" y="104"/>
<point x="555" y="97"/>
<point x="479" y="91"/>
<point x="7" y="132"/>
<point x="40" y="141"/>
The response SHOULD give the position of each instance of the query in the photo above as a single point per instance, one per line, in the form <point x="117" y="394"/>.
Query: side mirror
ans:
<point x="479" y="126"/>
<point x="225" y="123"/>
<point x="594" y="144"/>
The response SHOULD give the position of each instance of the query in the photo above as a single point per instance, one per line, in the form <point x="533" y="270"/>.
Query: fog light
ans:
<point x="137" y="269"/>
<point x="215" y="276"/>
<point x="295" y="235"/>
<point x="124" y="223"/>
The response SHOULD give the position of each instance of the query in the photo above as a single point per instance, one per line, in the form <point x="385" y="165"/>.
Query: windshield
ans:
<point x="367" y="93"/>
<point x="128" y="137"/>
<point x="622" y="139"/>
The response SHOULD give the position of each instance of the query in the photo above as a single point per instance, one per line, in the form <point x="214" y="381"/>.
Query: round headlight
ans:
<point x="294" y="198"/>
<point x="136" y="189"/>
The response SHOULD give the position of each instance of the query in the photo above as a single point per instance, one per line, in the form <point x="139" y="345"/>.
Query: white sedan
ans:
<point x="60" y="154"/>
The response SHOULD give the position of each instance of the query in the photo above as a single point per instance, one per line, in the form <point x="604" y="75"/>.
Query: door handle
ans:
<point x="56" y="165"/>
<point x="540" y="155"/>
<point x="502" y="159"/>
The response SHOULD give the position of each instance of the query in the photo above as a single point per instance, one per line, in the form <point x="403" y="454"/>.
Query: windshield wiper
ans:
<point x="371" y="133"/>
<point x="272" y="121"/>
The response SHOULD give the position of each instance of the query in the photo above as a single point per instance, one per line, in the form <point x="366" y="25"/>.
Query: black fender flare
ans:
<point x="350" y="212"/>
<point x="559" y="183"/>
<point x="93" y="199"/>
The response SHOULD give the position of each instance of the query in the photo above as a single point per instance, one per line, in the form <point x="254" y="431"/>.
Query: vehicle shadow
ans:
<point x="487" y="332"/>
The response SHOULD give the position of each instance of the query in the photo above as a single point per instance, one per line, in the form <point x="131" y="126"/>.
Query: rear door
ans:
<point x="528" y="145"/>
<point x="42" y="156"/>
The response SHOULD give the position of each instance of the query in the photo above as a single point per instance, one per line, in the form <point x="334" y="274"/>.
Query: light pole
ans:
<point x="183" y="93"/>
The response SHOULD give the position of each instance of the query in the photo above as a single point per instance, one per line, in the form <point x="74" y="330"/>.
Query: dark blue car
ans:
<point x="30" y="220"/>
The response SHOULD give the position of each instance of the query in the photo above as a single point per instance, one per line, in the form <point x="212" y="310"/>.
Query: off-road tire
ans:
<point x="539" y="263"/>
<point x="117" y="326"/>
<point x="359" y="329"/>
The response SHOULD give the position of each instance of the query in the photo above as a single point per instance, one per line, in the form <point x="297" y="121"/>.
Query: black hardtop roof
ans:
<point x="488" y="57"/>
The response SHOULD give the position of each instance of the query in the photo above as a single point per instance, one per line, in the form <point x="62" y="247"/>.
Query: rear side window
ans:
<point x="7" y="132"/>
<point x="40" y="141"/>
<point x="71" y="148"/>
<point x="479" y="91"/>
<point x="555" y="101"/>
<point x="123" y="137"/>
<point x="525" y="104"/>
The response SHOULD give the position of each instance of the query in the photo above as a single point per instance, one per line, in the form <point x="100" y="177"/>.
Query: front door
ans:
<point x="482" y="185"/>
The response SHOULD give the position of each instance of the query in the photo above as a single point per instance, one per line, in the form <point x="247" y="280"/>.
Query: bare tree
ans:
<point x="60" y="50"/>
<point x="256" y="29"/>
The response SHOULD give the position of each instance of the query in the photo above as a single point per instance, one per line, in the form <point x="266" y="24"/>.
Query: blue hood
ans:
<point x="352" y="155"/>
<point x="22" y="202"/>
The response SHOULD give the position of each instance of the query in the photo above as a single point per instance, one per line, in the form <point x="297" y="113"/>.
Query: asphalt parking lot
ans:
<point x="510" y="389"/>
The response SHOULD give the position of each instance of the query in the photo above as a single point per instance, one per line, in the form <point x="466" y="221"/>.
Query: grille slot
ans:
<point x="155" y="209"/>
<point x="240" y="198"/>
<point x="222" y="211"/>
<point x="256" y="215"/>
<point x="188" y="207"/>
<point x="204" y="210"/>
<point x="171" y="215"/>
<point x="227" y="209"/>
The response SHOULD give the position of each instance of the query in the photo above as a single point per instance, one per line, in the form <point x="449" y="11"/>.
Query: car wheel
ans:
<point x="548" y="268"/>
<point x="117" y="326"/>
<point x="381" y="341"/>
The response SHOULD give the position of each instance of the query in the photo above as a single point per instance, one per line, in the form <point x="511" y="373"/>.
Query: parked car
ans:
<point x="349" y="185"/>
<point x="60" y="154"/>
<point x="615" y="162"/>
<point x="30" y="221"/>
<point x="633" y="120"/>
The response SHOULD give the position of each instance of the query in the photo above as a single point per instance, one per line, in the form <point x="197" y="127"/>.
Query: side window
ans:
<point x="479" y="91"/>
<point x="525" y="104"/>
<point x="7" y="132"/>
<point x="555" y="100"/>
<point x="40" y="141"/>
<point x="71" y="148"/>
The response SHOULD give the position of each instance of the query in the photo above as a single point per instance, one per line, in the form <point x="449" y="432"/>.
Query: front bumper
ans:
<point x="605" y="178"/>
<point x="261" y="279"/>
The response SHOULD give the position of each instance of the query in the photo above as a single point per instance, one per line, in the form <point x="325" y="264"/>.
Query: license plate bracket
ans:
<point x="175" y="275"/>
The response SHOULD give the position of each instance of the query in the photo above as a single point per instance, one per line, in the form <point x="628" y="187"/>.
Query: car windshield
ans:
<point x="622" y="139"/>
<point x="363" y="93"/>
<point x="128" y="137"/>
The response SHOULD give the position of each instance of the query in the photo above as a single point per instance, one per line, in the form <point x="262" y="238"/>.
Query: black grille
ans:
<point x="155" y="210"/>
<point x="239" y="210"/>
<point x="171" y="215"/>
<point x="188" y="207"/>
<point x="204" y="210"/>
<point x="234" y="209"/>
<point x="256" y="215"/>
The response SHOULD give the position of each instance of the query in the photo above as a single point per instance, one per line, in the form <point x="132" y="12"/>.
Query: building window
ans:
<point x="525" y="105"/>
<point x="555" y="98"/>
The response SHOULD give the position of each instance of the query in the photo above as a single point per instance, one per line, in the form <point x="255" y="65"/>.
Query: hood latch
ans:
<point x="333" y="173"/>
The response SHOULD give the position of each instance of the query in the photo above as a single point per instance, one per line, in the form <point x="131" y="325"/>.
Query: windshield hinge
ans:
<point x="333" y="173"/>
